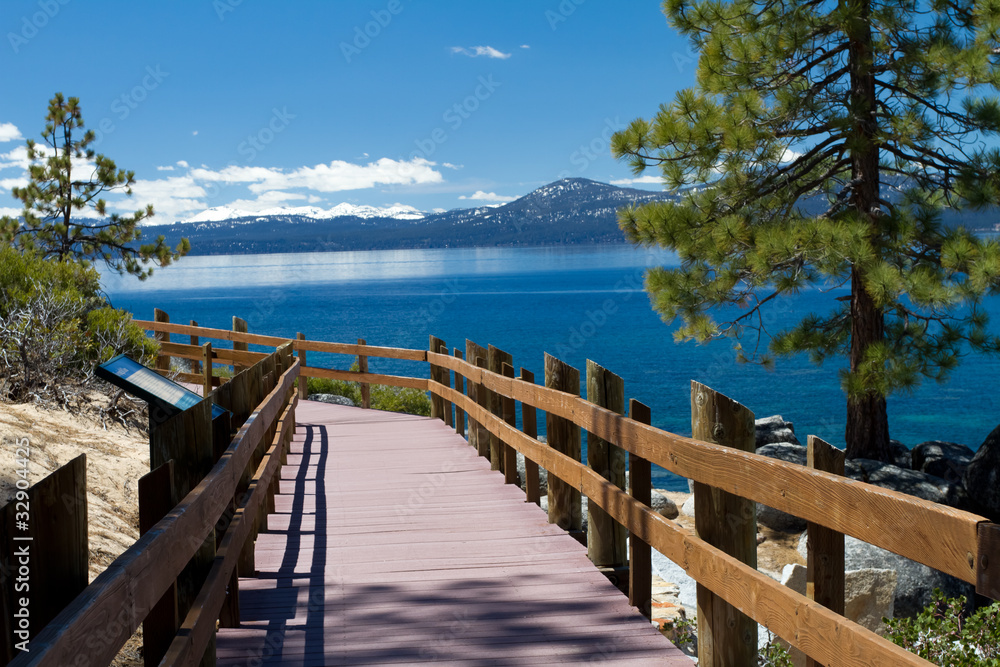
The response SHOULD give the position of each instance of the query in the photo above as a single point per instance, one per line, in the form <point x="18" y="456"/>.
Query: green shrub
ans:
<point x="941" y="634"/>
<point x="384" y="397"/>
<point x="54" y="327"/>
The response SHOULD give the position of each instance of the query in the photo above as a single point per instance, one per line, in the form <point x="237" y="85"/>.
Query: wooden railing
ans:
<point x="959" y="543"/>
<point x="229" y="498"/>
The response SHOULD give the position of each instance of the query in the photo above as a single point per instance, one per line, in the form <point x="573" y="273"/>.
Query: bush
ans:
<point x="384" y="397"/>
<point x="54" y="327"/>
<point x="941" y="634"/>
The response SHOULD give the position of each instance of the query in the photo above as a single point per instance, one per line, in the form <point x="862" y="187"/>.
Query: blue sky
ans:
<point x="255" y="104"/>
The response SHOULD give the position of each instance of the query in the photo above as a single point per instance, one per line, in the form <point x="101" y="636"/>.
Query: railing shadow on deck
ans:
<point x="959" y="543"/>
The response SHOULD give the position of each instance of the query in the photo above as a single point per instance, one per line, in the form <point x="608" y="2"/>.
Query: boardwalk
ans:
<point x="393" y="543"/>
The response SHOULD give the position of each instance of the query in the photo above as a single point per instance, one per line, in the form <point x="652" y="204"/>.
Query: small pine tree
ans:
<point x="878" y="111"/>
<point x="56" y="193"/>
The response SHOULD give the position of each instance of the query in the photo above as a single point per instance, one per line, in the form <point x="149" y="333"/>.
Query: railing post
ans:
<point x="303" y="380"/>
<point x="437" y="402"/>
<point x="195" y="364"/>
<point x="564" y="437"/>
<point x="156" y="498"/>
<point x="445" y="378"/>
<point x="366" y="390"/>
<point x="726" y="637"/>
<point x="473" y="352"/>
<point x="239" y="326"/>
<point x="825" y="547"/>
<point x="206" y="360"/>
<point x="460" y="388"/>
<point x="483" y="399"/>
<point x="529" y="424"/>
<point x="640" y="565"/>
<point x="509" y="416"/>
<point x="495" y="359"/>
<point x="162" y="361"/>
<point x="605" y="537"/>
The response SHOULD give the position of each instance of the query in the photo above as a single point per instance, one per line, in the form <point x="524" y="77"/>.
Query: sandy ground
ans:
<point x="116" y="458"/>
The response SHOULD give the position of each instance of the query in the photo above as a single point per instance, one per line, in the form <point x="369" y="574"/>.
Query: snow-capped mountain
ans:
<point x="397" y="212"/>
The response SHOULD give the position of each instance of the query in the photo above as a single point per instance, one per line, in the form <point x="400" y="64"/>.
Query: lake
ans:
<point x="576" y="303"/>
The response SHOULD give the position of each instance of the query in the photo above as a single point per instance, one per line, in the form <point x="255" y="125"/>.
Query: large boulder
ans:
<point x="336" y="399"/>
<point x="915" y="582"/>
<point x="768" y="516"/>
<point x="947" y="460"/>
<point x="910" y="482"/>
<point x="869" y="593"/>
<point x="982" y="477"/>
<point x="769" y="430"/>
<point x="902" y="457"/>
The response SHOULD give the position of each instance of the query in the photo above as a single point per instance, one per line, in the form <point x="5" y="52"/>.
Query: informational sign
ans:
<point x="150" y="386"/>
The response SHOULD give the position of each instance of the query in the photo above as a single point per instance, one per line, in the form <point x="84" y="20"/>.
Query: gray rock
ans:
<point x="768" y="516"/>
<point x="911" y="482"/>
<point x="947" y="460"/>
<point x="901" y="455"/>
<point x="665" y="506"/>
<point x="982" y="477"/>
<point x="687" y="509"/>
<point x="869" y="593"/>
<point x="332" y="398"/>
<point x="769" y="430"/>
<point x="915" y="582"/>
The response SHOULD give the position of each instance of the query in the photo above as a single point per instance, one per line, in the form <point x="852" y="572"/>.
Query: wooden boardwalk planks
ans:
<point x="394" y="543"/>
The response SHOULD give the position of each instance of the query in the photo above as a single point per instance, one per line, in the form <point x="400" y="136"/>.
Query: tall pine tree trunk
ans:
<point x="867" y="433"/>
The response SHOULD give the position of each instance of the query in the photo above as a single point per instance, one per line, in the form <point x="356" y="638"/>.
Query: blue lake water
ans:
<point x="577" y="303"/>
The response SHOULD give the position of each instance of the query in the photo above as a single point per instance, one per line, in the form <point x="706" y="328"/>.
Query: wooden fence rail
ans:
<point x="953" y="541"/>
<point x="97" y="623"/>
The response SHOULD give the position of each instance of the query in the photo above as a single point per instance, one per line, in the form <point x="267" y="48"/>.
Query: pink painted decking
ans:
<point x="393" y="543"/>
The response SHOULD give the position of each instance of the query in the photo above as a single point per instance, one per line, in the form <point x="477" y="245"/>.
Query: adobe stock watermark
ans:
<point x="597" y="147"/>
<point x="256" y="143"/>
<point x="562" y="12"/>
<point x="364" y="34"/>
<point x="31" y="25"/>
<point x="223" y="7"/>
<point x="432" y="310"/>
<point x="455" y="116"/>
<point x="130" y="100"/>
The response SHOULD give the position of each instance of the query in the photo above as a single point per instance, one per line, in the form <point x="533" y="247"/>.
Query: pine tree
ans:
<point x="884" y="113"/>
<point x="56" y="194"/>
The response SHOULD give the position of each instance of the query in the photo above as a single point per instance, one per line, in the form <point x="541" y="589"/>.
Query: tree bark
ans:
<point x="867" y="433"/>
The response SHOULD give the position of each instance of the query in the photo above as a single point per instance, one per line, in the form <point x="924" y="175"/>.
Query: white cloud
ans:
<point x="169" y="167"/>
<point x="790" y="156"/>
<point x="8" y="183"/>
<point x="9" y="132"/>
<point x="171" y="198"/>
<point x="265" y="200"/>
<point x="182" y="163"/>
<point x="479" y="195"/>
<point x="12" y="212"/>
<point x="649" y="178"/>
<point x="195" y="133"/>
<point x="525" y="46"/>
<point x="476" y="51"/>
<point x="449" y="165"/>
<point x="334" y="177"/>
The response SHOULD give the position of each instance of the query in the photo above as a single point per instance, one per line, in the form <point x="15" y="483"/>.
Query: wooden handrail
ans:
<point x="891" y="520"/>
<point x="807" y="625"/>
<point x="941" y="537"/>
<point x="107" y="613"/>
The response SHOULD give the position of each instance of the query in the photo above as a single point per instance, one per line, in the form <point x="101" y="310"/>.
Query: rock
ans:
<point x="687" y="508"/>
<point x="768" y="516"/>
<point x="868" y="598"/>
<point x="901" y="455"/>
<point x="947" y="460"/>
<point x="982" y="477"/>
<point x="332" y="398"/>
<point x="665" y="506"/>
<point x="915" y="582"/>
<point x="774" y="429"/>
<point x="911" y="482"/>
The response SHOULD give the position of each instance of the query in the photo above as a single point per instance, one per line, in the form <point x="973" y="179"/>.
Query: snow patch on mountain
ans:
<point x="397" y="211"/>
